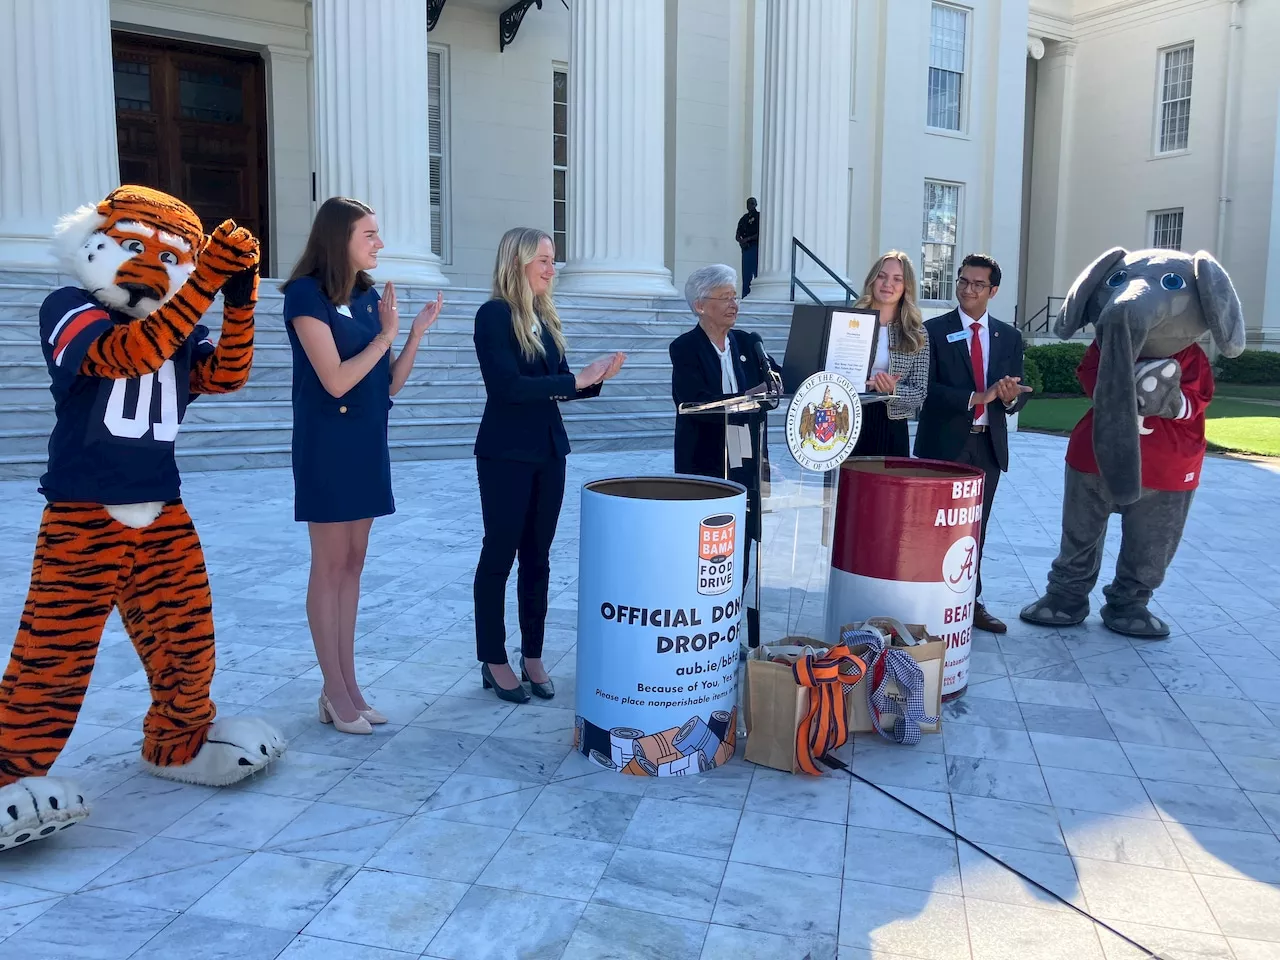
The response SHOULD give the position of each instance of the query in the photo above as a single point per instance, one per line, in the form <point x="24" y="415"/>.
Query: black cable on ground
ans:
<point x="835" y="764"/>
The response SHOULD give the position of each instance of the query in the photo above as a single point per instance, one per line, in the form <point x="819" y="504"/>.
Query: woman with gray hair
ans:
<point x="715" y="361"/>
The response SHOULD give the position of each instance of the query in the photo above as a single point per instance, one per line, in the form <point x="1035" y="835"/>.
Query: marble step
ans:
<point x="582" y="336"/>
<point x="246" y="456"/>
<point x="263" y="387"/>
<point x="437" y="412"/>
<point x="34" y="441"/>
<point x="233" y="410"/>
<point x="581" y="352"/>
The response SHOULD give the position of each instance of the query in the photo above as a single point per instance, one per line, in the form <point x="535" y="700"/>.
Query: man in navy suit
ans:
<point x="975" y="383"/>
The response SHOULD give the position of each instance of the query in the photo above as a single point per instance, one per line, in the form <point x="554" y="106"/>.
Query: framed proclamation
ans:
<point x="829" y="339"/>
<point x="851" y="344"/>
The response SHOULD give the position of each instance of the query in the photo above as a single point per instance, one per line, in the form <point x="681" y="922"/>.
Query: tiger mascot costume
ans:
<point x="126" y="353"/>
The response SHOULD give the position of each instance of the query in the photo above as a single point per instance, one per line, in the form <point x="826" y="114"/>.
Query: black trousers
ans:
<point x="520" y="503"/>
<point x="979" y="452"/>
<point x="881" y="436"/>
<point x="750" y="263"/>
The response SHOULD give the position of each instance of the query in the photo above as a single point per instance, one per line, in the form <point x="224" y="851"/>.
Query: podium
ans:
<point x="758" y="400"/>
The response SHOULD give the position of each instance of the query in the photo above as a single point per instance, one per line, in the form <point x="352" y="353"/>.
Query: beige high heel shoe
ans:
<point x="330" y="715"/>
<point x="373" y="716"/>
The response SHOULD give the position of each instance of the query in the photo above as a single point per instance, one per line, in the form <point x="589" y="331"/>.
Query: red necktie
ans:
<point x="975" y="357"/>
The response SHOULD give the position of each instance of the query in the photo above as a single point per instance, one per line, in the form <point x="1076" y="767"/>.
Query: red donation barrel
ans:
<point x="906" y="546"/>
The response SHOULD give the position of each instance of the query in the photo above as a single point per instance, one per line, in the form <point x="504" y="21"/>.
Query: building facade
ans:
<point x="635" y="130"/>
<point x="1040" y="131"/>
<point x="1153" y="123"/>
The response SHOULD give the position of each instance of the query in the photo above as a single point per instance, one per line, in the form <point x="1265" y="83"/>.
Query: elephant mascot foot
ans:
<point x="1134" y="621"/>
<point x="237" y="747"/>
<point x="37" y="807"/>
<point x="1053" y="611"/>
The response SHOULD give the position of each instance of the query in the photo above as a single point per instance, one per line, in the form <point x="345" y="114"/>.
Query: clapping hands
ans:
<point x="389" y="315"/>
<point x="1007" y="390"/>
<point x="599" y="370"/>
<point x="883" y="383"/>
<point x="427" y="315"/>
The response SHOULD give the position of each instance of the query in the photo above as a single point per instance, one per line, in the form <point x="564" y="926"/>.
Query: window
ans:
<point x="938" y="257"/>
<point x="946" y="66"/>
<point x="437" y="67"/>
<point x="133" y="85"/>
<point x="1175" y="98"/>
<point x="560" y="161"/>
<point x="1166" y="230"/>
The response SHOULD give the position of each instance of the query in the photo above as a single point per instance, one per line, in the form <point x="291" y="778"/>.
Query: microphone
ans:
<point x="767" y="374"/>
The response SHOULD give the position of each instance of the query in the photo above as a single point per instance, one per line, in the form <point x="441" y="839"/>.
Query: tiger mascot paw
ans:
<point x="237" y="747"/>
<point x="37" y="807"/>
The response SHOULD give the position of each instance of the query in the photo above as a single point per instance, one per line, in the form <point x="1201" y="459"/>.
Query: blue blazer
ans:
<point x="522" y="407"/>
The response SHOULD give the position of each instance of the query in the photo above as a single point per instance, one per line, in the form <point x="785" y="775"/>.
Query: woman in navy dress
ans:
<point x="520" y="453"/>
<point x="344" y="375"/>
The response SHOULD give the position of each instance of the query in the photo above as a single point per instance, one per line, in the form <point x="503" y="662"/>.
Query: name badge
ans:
<point x="957" y="336"/>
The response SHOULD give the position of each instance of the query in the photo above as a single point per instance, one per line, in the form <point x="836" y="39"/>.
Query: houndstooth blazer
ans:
<point x="912" y="369"/>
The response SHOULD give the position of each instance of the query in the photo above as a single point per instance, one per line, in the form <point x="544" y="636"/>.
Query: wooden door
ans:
<point x="190" y="121"/>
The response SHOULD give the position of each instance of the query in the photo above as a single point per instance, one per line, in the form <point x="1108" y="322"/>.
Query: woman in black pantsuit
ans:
<point x="520" y="453"/>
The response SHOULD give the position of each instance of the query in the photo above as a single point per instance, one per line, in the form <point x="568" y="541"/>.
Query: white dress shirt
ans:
<point x="984" y="338"/>
<point x="728" y="379"/>
<point x="737" y="437"/>
<point x="881" y="362"/>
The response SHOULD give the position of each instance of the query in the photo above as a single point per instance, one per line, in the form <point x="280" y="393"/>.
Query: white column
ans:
<point x="371" y="124"/>
<point x="1049" y="268"/>
<point x="1271" y="305"/>
<point x="805" y="191"/>
<point x="1006" y="149"/>
<point x="617" y="159"/>
<point x="57" y="120"/>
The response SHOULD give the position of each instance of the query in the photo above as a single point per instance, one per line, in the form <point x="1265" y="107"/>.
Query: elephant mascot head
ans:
<point x="1144" y="306"/>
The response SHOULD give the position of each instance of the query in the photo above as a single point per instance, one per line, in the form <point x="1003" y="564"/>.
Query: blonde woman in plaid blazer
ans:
<point x="900" y="367"/>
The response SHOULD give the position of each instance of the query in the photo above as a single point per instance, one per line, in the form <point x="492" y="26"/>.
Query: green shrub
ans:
<point x="1056" y="364"/>
<point x="1031" y="374"/>
<point x="1261" y="367"/>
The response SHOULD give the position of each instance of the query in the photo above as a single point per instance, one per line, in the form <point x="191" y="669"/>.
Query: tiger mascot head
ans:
<point x="134" y="250"/>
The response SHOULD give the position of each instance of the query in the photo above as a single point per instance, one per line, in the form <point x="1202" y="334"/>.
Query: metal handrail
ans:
<point x="1047" y="312"/>
<point x="850" y="295"/>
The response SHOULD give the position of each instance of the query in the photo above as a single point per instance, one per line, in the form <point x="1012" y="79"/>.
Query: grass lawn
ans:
<point x="1237" y="421"/>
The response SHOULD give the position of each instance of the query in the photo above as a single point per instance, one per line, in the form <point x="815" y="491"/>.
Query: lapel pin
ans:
<point x="742" y="357"/>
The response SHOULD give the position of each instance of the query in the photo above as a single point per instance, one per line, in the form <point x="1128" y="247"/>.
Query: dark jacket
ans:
<point x="695" y="378"/>
<point x="522" y="407"/>
<point x="946" y="418"/>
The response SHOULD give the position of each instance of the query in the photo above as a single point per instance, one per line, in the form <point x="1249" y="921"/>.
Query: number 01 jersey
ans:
<point x="113" y="440"/>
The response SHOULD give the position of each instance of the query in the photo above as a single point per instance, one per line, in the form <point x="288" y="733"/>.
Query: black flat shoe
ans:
<point x="544" y="691"/>
<point x="518" y="695"/>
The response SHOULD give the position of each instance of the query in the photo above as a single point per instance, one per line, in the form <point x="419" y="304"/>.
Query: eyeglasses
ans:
<point x="732" y="298"/>
<point x="977" y="286"/>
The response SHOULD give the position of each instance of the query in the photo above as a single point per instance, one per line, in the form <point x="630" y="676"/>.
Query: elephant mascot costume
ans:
<point x="1139" y="450"/>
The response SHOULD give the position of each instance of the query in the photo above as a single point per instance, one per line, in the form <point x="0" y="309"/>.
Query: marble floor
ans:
<point x="1139" y="781"/>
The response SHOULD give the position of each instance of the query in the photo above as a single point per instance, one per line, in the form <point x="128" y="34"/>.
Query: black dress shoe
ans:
<point x="518" y="695"/>
<point x="545" y="691"/>
<point x="983" y="620"/>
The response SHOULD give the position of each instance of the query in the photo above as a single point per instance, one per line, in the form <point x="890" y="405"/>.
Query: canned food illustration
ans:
<point x="717" y="536"/>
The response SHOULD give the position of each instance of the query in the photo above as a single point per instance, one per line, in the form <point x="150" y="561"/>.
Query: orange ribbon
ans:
<point x="826" y="724"/>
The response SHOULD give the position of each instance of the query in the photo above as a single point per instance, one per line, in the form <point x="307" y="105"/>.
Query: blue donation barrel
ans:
<point x="660" y="586"/>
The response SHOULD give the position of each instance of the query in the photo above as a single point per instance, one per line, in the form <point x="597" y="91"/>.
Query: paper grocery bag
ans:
<point x="775" y="706"/>
<point x="928" y="651"/>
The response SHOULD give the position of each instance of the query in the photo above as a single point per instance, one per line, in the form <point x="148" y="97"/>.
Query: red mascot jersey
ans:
<point x="1174" y="449"/>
